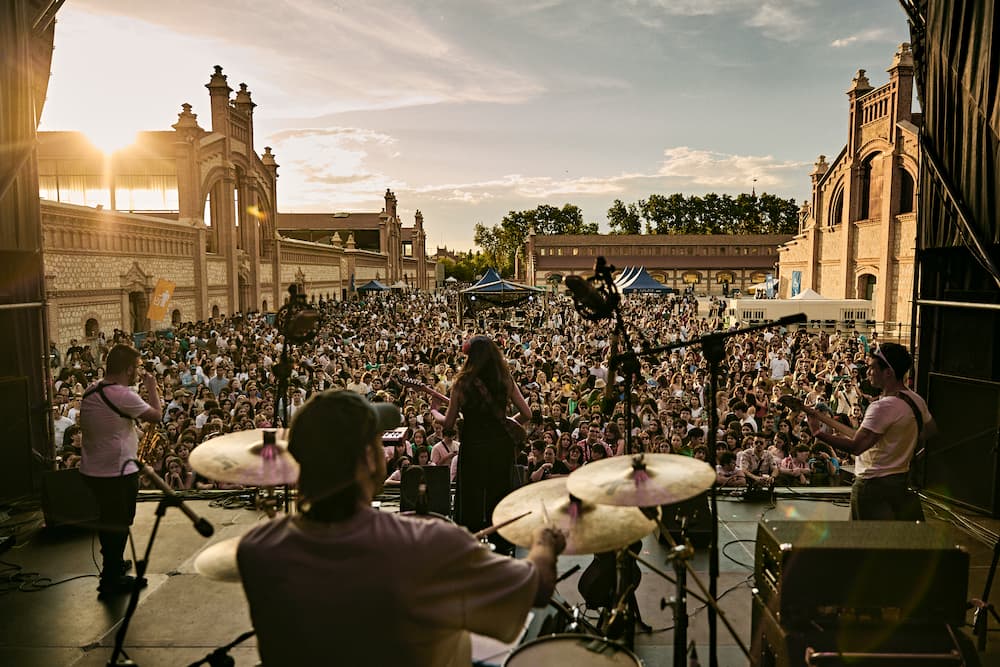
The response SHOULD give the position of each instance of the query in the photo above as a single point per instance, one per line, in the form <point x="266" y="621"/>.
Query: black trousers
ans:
<point x="116" y="510"/>
<point x="885" y="499"/>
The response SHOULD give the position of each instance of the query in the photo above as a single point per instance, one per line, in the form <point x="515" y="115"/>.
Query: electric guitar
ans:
<point x="513" y="427"/>
<point x="795" y="403"/>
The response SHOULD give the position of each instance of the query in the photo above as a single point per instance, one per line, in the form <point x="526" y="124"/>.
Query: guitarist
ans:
<point x="885" y="443"/>
<point x="482" y="391"/>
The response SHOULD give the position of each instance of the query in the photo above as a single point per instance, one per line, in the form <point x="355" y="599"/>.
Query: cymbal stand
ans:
<point x="620" y="623"/>
<point x="681" y="557"/>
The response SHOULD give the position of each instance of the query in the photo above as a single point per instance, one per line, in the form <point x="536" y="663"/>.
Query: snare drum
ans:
<point x="572" y="651"/>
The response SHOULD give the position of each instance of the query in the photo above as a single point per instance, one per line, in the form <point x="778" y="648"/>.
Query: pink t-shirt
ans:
<point x="109" y="440"/>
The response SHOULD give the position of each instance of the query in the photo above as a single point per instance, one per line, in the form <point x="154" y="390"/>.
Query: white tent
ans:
<point x="809" y="295"/>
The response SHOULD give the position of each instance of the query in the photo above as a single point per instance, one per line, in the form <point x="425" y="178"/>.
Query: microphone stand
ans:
<point x="140" y="576"/>
<point x="714" y="349"/>
<point x="297" y="322"/>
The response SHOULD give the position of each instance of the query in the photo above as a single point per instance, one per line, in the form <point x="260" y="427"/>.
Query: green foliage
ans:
<point x="466" y="267"/>
<point x="502" y="243"/>
<point x="709" y="214"/>
<point x="624" y="219"/>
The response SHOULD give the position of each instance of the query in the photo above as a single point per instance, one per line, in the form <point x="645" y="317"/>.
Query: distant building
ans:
<point x="197" y="208"/>
<point x="857" y="234"/>
<point x="709" y="264"/>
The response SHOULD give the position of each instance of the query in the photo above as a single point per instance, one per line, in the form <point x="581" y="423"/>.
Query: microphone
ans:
<point x="200" y="524"/>
<point x="588" y="298"/>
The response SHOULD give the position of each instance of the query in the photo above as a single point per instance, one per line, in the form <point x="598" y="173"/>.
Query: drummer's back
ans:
<point x="370" y="590"/>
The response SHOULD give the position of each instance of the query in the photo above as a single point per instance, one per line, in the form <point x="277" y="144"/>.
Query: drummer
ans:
<point x="325" y="585"/>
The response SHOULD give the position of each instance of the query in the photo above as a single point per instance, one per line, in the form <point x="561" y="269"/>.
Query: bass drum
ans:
<point x="572" y="651"/>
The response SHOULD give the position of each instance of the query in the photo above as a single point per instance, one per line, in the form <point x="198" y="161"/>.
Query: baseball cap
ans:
<point x="330" y="433"/>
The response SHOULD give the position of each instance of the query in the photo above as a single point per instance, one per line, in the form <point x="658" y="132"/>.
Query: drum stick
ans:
<point x="492" y="529"/>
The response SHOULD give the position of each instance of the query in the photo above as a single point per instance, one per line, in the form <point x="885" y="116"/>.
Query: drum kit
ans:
<point x="601" y="508"/>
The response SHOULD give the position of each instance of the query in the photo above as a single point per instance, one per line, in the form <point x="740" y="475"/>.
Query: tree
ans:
<point x="503" y="242"/>
<point x="624" y="219"/>
<point x="709" y="214"/>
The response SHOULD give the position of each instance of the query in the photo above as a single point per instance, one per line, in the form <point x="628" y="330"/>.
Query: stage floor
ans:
<point x="182" y="616"/>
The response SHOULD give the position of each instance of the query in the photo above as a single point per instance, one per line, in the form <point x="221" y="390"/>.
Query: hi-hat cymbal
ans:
<point x="643" y="480"/>
<point x="218" y="562"/>
<point x="243" y="458"/>
<point x="589" y="528"/>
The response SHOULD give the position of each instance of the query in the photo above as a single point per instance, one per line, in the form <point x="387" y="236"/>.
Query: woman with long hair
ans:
<point x="482" y="391"/>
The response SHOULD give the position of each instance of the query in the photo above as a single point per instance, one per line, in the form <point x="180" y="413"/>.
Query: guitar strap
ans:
<point x="916" y="410"/>
<point x="99" y="390"/>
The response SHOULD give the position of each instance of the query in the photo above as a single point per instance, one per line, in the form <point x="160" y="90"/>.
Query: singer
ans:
<point x="107" y="419"/>
<point x="481" y="392"/>
<point x="327" y="582"/>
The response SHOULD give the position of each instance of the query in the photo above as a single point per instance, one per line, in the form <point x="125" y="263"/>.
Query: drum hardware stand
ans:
<point x="985" y="608"/>
<point x="220" y="657"/>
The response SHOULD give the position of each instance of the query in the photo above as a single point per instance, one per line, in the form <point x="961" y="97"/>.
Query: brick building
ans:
<point x="857" y="235"/>
<point x="705" y="263"/>
<point x="197" y="207"/>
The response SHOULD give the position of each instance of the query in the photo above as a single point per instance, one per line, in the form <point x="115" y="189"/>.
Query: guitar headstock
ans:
<point x="791" y="402"/>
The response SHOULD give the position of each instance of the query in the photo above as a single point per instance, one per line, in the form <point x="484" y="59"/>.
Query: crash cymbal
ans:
<point x="643" y="480"/>
<point x="218" y="562"/>
<point x="589" y="528"/>
<point x="242" y="458"/>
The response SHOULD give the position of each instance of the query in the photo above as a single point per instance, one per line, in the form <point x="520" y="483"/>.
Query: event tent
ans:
<point x="493" y="291"/>
<point x="373" y="286"/>
<point x="639" y="280"/>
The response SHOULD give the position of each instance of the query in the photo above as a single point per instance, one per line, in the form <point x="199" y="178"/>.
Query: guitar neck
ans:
<point x="843" y="429"/>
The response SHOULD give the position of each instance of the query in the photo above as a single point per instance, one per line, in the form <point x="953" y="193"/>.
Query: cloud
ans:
<point x="778" y="21"/>
<point x="872" y="35"/>
<point x="711" y="169"/>
<point x="331" y="168"/>
<point x="682" y="169"/>
<point x="315" y="57"/>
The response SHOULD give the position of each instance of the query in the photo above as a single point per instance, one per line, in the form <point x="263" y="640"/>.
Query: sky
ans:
<point x="468" y="109"/>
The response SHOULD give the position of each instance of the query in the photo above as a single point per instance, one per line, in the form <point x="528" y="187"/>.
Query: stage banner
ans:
<point x="157" y="311"/>
<point x="796" y="282"/>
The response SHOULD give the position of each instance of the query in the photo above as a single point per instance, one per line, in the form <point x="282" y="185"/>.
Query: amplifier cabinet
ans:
<point x="925" y="645"/>
<point x="863" y="572"/>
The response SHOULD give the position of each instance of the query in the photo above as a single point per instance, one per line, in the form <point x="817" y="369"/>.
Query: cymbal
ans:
<point x="589" y="528"/>
<point x="666" y="479"/>
<point x="241" y="458"/>
<point x="218" y="562"/>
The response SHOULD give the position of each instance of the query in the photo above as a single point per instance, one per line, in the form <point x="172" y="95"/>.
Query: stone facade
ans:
<point x="198" y="208"/>
<point x="404" y="248"/>
<point x="857" y="234"/>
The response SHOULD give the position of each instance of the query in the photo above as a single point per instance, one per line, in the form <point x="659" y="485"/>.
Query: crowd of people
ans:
<point x="219" y="376"/>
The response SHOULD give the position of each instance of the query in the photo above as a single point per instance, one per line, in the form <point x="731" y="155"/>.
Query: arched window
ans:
<point x="175" y="317"/>
<point x="866" y="286"/>
<point x="91" y="328"/>
<point x="215" y="311"/>
<point x="837" y="210"/>
<point x="263" y="307"/>
<point x="906" y="192"/>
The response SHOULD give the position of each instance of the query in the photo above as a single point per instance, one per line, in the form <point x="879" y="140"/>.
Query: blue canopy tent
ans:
<point x="640" y="281"/>
<point x="493" y="291"/>
<point x="373" y="286"/>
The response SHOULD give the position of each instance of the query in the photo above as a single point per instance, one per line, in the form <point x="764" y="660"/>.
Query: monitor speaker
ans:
<point x="66" y="499"/>
<point x="438" y="480"/>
